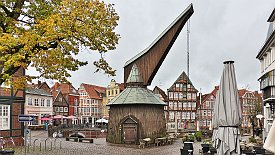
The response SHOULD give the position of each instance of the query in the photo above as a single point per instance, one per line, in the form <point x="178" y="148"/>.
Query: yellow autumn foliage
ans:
<point x="48" y="34"/>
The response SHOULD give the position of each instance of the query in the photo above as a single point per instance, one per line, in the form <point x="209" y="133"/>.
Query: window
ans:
<point x="171" y="95"/>
<point x="183" y="115"/>
<point x="171" y="116"/>
<point x="29" y="101"/>
<point x="204" y="113"/>
<point x="180" y="105"/>
<point x="75" y="102"/>
<point x="209" y="112"/>
<point x="209" y="122"/>
<point x="188" y="115"/>
<point x="36" y="102"/>
<point x="60" y="99"/>
<point x="61" y="109"/>
<point x="172" y="125"/>
<point x="194" y="105"/>
<point x="194" y="96"/>
<point x="65" y="109"/>
<point x="208" y="104"/>
<point x="204" y="122"/>
<point x="171" y="105"/>
<point x="184" y="105"/>
<point x="48" y="103"/>
<point x="176" y="95"/>
<point x="175" y="105"/>
<point x="42" y="103"/>
<point x="193" y="115"/>
<point x="189" y="96"/>
<point x="4" y="117"/>
<point x="184" y="87"/>
<point x="180" y="95"/>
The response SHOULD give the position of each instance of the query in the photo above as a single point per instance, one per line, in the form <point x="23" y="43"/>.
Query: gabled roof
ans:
<point x="57" y="102"/>
<point x="242" y="92"/>
<point x="94" y="91"/>
<point x="161" y="92"/>
<point x="182" y="79"/>
<point x="272" y="16"/>
<point x="206" y="96"/>
<point x="270" y="37"/>
<point x="65" y="88"/>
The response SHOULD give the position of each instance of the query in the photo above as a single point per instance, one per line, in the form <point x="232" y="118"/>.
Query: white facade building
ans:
<point x="267" y="78"/>
<point x="38" y="103"/>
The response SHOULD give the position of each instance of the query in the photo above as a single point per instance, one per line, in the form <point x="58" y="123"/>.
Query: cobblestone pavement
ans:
<point x="100" y="147"/>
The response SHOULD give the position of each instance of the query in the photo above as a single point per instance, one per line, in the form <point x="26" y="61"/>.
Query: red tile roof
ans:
<point x="242" y="92"/>
<point x="121" y="86"/>
<point x="65" y="88"/>
<point x="161" y="92"/>
<point x="94" y="91"/>
<point x="206" y="96"/>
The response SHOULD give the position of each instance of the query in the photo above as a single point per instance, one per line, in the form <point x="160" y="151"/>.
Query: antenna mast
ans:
<point x="188" y="37"/>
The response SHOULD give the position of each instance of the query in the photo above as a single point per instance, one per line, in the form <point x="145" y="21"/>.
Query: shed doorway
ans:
<point x="130" y="127"/>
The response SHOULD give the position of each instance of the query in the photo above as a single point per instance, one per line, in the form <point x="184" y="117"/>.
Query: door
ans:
<point x="130" y="134"/>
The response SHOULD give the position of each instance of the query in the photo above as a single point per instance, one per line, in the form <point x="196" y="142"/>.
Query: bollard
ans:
<point x="34" y="144"/>
<point x="46" y="143"/>
<point x="28" y="150"/>
<point x="55" y="143"/>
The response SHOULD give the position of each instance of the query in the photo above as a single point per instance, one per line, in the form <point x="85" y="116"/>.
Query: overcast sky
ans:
<point x="220" y="30"/>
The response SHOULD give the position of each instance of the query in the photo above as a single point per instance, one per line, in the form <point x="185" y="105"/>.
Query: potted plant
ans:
<point x="184" y="138"/>
<point x="252" y="139"/>
<point x="198" y="136"/>
<point x="192" y="138"/>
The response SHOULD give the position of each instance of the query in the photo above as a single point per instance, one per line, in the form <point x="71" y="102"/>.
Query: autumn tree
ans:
<point x="48" y="34"/>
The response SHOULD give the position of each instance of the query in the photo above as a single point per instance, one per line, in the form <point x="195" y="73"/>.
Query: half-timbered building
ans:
<point x="181" y="110"/>
<point x="11" y="105"/>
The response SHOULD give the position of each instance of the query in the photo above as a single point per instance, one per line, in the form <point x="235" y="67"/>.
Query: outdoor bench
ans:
<point x="90" y="140"/>
<point x="74" y="138"/>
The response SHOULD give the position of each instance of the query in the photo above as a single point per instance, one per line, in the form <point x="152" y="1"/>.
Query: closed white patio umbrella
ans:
<point x="270" y="139"/>
<point x="102" y="120"/>
<point x="227" y="114"/>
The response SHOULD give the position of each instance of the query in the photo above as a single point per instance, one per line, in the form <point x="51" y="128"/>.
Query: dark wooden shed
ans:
<point x="135" y="113"/>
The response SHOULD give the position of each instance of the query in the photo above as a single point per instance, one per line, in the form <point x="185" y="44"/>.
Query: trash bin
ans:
<point x="7" y="152"/>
